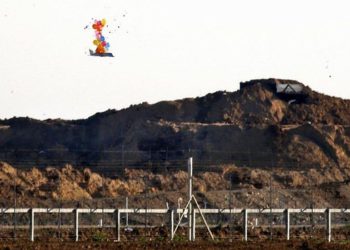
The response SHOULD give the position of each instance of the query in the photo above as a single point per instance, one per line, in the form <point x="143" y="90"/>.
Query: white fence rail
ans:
<point x="327" y="212"/>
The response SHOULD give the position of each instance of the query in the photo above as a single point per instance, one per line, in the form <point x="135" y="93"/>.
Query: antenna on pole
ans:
<point x="189" y="208"/>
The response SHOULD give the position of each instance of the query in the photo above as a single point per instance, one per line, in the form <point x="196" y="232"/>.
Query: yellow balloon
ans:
<point x="103" y="22"/>
<point x="96" y="42"/>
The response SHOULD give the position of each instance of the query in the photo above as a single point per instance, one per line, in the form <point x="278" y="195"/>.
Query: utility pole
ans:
<point x="190" y="212"/>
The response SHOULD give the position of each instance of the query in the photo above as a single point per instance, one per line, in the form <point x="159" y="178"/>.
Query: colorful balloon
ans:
<point x="100" y="40"/>
<point x="100" y="49"/>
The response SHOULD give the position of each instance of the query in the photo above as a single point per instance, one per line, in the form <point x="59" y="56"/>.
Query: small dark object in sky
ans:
<point x="330" y="76"/>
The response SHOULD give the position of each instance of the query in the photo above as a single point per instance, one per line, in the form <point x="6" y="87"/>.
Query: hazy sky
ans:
<point x="163" y="50"/>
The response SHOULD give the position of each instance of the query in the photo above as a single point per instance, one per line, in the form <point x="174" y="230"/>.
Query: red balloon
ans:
<point x="100" y="49"/>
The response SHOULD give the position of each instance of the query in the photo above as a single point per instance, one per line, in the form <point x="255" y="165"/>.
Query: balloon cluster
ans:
<point x="102" y="45"/>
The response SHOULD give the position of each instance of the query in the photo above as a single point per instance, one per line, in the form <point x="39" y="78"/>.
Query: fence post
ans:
<point x="329" y="224"/>
<point x="117" y="224"/>
<point x="172" y="223"/>
<point x="245" y="224"/>
<point x="287" y="222"/>
<point x="76" y="224"/>
<point x="31" y="225"/>
<point x="193" y="225"/>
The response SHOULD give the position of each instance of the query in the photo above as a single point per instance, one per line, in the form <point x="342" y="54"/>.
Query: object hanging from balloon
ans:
<point x="100" y="41"/>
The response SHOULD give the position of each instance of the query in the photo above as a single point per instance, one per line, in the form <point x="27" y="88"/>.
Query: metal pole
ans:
<point x="31" y="226"/>
<point x="193" y="226"/>
<point x="118" y="224"/>
<point x="287" y="221"/>
<point x="76" y="224"/>
<point x="245" y="224"/>
<point x="189" y="211"/>
<point x="172" y="223"/>
<point x="329" y="224"/>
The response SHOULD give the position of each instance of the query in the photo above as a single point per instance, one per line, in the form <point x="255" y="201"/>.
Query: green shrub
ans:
<point x="179" y="238"/>
<point x="99" y="236"/>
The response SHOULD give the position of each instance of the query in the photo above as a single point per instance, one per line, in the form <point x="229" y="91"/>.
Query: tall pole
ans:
<point x="189" y="211"/>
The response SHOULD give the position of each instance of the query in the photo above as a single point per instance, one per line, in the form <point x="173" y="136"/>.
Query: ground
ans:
<point x="179" y="245"/>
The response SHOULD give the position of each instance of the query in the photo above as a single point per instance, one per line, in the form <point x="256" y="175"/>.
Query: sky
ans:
<point x="163" y="50"/>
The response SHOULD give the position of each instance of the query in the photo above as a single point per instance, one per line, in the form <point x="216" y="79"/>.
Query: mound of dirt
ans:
<point x="252" y="126"/>
<point x="239" y="186"/>
<point x="303" y="137"/>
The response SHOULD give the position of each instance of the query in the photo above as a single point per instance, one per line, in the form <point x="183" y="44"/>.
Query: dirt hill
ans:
<point x="227" y="186"/>
<point x="236" y="139"/>
<point x="252" y="126"/>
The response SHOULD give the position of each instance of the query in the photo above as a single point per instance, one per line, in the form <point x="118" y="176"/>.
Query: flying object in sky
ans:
<point x="101" y="45"/>
<point x="106" y="54"/>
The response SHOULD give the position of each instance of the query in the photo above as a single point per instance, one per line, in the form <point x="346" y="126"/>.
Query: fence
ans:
<point x="272" y="210"/>
<point x="76" y="212"/>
